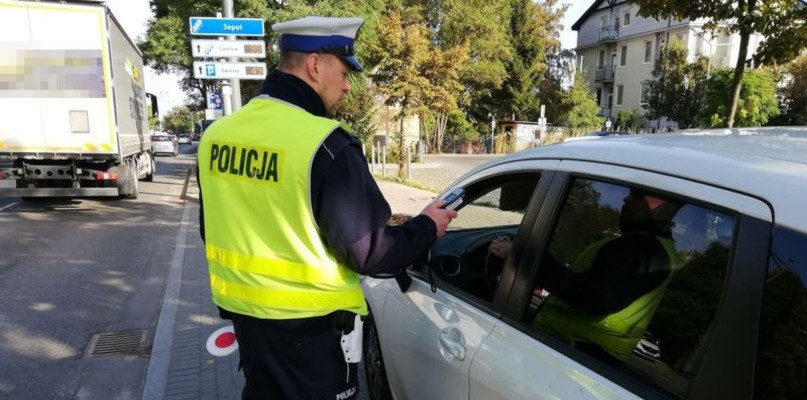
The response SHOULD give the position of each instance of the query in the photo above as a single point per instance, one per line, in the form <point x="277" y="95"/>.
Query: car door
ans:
<point x="429" y="337"/>
<point x="697" y="341"/>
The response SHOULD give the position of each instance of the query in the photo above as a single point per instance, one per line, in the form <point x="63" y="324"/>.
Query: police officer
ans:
<point x="291" y="217"/>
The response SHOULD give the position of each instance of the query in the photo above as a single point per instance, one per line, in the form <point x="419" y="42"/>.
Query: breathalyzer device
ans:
<point x="454" y="199"/>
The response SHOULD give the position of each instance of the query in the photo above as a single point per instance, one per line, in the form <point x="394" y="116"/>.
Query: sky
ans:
<point x="135" y="14"/>
<point x="568" y="37"/>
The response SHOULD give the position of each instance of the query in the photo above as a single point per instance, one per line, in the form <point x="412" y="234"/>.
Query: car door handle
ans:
<point x="453" y="346"/>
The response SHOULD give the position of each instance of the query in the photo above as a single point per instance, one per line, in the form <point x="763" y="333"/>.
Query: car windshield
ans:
<point x="160" y="138"/>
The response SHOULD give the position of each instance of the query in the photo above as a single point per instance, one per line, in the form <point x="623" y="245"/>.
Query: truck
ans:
<point x="73" y="105"/>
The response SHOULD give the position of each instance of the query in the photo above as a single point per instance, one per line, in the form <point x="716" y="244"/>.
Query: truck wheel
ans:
<point x="133" y="194"/>
<point x="150" y="175"/>
<point x="128" y="189"/>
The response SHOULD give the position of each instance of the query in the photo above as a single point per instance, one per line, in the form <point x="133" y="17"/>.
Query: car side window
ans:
<point x="781" y="364"/>
<point x="633" y="278"/>
<point x="471" y="255"/>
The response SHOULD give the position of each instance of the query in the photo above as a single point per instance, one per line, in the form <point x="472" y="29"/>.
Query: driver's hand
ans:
<point x="501" y="246"/>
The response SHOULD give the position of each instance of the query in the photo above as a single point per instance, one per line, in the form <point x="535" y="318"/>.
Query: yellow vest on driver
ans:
<point x="616" y="333"/>
<point x="263" y="246"/>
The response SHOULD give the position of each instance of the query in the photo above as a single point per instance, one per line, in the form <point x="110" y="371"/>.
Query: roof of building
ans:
<point x="766" y="163"/>
<point x="592" y="10"/>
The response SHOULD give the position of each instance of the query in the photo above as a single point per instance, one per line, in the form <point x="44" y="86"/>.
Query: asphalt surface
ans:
<point x="73" y="268"/>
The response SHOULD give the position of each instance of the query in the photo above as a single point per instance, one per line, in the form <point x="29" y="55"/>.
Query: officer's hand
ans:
<point x="441" y="217"/>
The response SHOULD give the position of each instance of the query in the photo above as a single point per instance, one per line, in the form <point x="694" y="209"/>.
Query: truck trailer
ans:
<point x="73" y="111"/>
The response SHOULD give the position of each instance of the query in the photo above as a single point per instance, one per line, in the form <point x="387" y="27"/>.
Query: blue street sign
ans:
<point x="207" y="26"/>
<point x="211" y="70"/>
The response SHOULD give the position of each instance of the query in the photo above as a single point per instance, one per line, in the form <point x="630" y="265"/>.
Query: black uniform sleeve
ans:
<point x="352" y="213"/>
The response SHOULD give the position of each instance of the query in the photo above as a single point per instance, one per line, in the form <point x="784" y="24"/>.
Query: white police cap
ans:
<point x="321" y="35"/>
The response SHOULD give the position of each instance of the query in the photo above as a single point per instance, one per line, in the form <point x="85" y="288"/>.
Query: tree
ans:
<point x="676" y="90"/>
<point x="179" y="120"/>
<point x="559" y="74"/>
<point x="403" y="47"/>
<point x="781" y="22"/>
<point x="483" y="27"/>
<point x="756" y="105"/>
<point x="582" y="109"/>
<point x="357" y="108"/>
<point x="465" y="39"/>
<point x="533" y="35"/>
<point x="794" y="93"/>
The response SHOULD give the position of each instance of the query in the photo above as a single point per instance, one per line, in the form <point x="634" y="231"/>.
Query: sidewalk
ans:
<point x="180" y="367"/>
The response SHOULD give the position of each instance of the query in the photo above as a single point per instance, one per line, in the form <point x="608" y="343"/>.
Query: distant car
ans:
<point x="184" y="139"/>
<point x="164" y="144"/>
<point x="729" y="312"/>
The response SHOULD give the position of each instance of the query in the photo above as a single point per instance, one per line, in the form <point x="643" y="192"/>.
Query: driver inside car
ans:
<point x="604" y="299"/>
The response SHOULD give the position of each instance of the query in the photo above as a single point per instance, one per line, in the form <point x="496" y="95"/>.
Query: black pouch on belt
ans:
<point x="342" y="321"/>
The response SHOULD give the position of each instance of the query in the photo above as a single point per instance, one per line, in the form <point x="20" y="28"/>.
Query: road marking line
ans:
<point x="8" y="206"/>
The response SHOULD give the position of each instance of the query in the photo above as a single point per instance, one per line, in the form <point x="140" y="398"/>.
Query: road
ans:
<point x="73" y="268"/>
<point x="440" y="170"/>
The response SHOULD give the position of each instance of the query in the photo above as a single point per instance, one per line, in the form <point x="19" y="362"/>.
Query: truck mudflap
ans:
<point x="58" y="192"/>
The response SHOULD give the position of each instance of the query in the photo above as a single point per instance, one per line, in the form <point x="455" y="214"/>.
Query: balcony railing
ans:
<point x="605" y="75"/>
<point x="610" y="32"/>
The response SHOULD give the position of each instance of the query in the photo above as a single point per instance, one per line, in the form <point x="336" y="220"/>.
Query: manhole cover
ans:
<point x="116" y="343"/>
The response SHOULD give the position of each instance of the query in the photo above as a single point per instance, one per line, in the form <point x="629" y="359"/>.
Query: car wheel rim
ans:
<point x="374" y="365"/>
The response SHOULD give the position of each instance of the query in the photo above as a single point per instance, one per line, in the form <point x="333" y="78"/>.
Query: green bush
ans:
<point x="757" y="102"/>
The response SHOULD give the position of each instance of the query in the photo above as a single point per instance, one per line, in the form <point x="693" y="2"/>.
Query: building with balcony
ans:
<point x="617" y="50"/>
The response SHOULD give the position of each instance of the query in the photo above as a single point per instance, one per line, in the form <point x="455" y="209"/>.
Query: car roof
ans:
<point x="767" y="163"/>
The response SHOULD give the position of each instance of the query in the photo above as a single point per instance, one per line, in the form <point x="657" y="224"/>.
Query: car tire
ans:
<point x="374" y="371"/>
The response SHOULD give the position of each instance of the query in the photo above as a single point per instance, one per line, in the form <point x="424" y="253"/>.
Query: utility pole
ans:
<point x="235" y="84"/>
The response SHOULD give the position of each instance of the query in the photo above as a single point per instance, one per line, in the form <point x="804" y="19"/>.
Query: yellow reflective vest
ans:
<point x="616" y="333"/>
<point x="263" y="246"/>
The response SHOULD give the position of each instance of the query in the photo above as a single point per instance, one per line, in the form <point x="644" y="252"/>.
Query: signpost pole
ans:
<point x="226" y="93"/>
<point x="227" y="7"/>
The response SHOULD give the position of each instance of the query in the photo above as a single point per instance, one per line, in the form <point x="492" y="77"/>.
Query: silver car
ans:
<point x="164" y="144"/>
<point x="727" y="305"/>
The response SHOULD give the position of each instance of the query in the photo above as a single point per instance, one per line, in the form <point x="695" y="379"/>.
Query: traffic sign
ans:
<point x="213" y="114"/>
<point x="226" y="70"/>
<point x="208" y="26"/>
<point x="228" y="48"/>
<point x="222" y="342"/>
